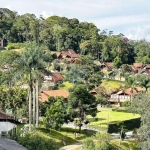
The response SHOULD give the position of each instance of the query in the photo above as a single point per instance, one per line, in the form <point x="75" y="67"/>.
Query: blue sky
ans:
<point x="130" y="17"/>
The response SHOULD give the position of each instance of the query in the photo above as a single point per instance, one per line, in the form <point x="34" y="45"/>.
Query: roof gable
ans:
<point x="138" y="65"/>
<point x="44" y="95"/>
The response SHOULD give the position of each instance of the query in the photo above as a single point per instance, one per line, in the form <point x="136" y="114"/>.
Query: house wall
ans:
<point x="6" y="126"/>
<point x="121" y="97"/>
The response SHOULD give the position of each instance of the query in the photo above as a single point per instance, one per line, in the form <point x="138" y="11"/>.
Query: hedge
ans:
<point x="127" y="124"/>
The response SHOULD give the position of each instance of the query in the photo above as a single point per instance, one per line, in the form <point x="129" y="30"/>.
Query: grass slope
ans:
<point x="66" y="86"/>
<point x="125" y="145"/>
<point x="111" y="85"/>
<point x="107" y="116"/>
<point x="65" y="135"/>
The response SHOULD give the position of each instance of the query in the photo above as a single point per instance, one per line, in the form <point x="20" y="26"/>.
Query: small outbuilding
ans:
<point x="7" y="123"/>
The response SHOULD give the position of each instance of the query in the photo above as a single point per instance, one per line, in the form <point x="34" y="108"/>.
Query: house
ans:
<point x="1" y="43"/>
<point x="69" y="55"/>
<point x="7" y="123"/>
<point x="50" y="81"/>
<point x="120" y="95"/>
<point x="145" y="69"/>
<point x="136" y="67"/>
<point x="44" y="95"/>
<point x="107" y="66"/>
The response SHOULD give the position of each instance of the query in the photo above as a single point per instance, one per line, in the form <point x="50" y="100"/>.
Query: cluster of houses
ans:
<point x="55" y="77"/>
<point x="70" y="56"/>
<point x="117" y="97"/>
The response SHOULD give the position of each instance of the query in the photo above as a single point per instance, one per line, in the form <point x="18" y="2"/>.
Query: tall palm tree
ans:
<point x="31" y="60"/>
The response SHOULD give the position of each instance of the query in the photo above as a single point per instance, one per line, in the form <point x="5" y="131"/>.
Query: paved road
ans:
<point x="71" y="125"/>
<point x="7" y="144"/>
<point x="72" y="147"/>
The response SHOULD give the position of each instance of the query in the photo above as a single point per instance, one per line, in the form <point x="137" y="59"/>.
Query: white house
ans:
<point x="7" y="124"/>
<point x="120" y="96"/>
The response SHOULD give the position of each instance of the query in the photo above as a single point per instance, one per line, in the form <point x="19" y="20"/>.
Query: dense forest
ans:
<point x="60" y="33"/>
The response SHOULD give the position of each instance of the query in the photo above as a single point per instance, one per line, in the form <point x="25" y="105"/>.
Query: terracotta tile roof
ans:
<point x="147" y="66"/>
<point x="128" y="91"/>
<point x="53" y="93"/>
<point x="69" y="53"/>
<point x="57" y="76"/>
<point x="108" y="64"/>
<point x="133" y="68"/>
<point x="4" y="115"/>
<point x="138" y="65"/>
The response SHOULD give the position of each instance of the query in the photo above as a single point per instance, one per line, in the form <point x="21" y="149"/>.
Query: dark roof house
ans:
<point x="69" y="55"/>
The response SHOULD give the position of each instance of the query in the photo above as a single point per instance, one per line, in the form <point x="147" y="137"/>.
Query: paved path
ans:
<point x="71" y="125"/>
<point x="72" y="147"/>
<point x="7" y="144"/>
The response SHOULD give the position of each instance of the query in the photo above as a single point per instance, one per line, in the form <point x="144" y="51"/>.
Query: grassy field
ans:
<point x="65" y="134"/>
<point x="106" y="116"/>
<point x="111" y="85"/>
<point x="125" y="145"/>
<point x="66" y="86"/>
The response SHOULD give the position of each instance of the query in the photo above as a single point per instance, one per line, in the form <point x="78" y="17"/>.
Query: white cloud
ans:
<point x="139" y="33"/>
<point x="120" y="20"/>
<point x="8" y="6"/>
<point x="47" y="14"/>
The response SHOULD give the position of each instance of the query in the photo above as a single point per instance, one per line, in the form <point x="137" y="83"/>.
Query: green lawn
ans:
<point x="107" y="116"/>
<point x="111" y="85"/>
<point x="66" y="86"/>
<point x="125" y="145"/>
<point x="65" y="134"/>
<point x="56" y="135"/>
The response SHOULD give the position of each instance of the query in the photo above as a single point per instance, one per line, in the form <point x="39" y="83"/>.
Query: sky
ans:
<point x="129" y="17"/>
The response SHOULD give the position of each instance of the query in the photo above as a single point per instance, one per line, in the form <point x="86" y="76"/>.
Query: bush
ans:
<point x="128" y="124"/>
<point x="126" y="103"/>
<point x="101" y="141"/>
<point x="120" y="109"/>
<point x="34" y="141"/>
<point x="15" y="46"/>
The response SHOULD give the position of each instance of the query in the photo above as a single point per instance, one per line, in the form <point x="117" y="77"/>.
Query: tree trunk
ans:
<point x="34" y="104"/>
<point x="30" y="109"/>
<point x="37" y="103"/>
<point x="80" y="127"/>
<point x="30" y="100"/>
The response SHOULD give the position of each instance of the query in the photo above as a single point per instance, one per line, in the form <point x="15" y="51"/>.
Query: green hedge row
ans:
<point x="120" y="109"/>
<point x="127" y="125"/>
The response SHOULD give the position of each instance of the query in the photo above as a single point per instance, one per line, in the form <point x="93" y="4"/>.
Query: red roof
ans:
<point x="147" y="66"/>
<point x="108" y="64"/>
<point x="57" y="76"/>
<point x="69" y="53"/>
<point x="53" y="93"/>
<point x="4" y="116"/>
<point x="130" y="91"/>
<point x="138" y="65"/>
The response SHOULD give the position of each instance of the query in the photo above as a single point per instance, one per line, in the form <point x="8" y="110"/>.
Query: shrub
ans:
<point x="34" y="141"/>
<point x="129" y="125"/>
<point x="126" y="103"/>
<point x="15" y="46"/>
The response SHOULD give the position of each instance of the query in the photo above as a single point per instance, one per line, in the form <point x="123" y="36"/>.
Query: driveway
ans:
<point x="72" y="147"/>
<point x="7" y="144"/>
